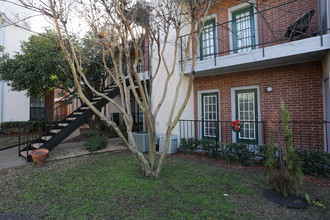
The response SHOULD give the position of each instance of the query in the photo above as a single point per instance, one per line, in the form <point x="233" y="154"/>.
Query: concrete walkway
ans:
<point x="9" y="158"/>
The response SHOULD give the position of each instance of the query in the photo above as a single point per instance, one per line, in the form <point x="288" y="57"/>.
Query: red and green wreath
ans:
<point x="236" y="126"/>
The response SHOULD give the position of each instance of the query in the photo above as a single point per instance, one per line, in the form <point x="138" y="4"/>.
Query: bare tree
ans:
<point x="126" y="31"/>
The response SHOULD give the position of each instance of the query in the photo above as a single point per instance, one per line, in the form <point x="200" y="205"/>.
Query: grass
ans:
<point x="109" y="185"/>
<point x="8" y="140"/>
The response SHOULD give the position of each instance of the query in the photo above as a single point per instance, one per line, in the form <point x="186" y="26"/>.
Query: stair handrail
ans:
<point x="27" y="126"/>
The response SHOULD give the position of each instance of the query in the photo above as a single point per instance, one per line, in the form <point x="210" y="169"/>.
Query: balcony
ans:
<point x="287" y="33"/>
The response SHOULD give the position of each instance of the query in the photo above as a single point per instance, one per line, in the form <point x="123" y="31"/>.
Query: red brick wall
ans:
<point x="271" y="24"/>
<point x="298" y="85"/>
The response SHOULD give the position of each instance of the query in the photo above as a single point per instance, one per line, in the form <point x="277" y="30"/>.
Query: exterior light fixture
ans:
<point x="269" y="89"/>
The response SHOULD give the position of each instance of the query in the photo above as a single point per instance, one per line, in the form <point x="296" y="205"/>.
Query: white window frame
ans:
<point x="233" y="107"/>
<point x="239" y="7"/>
<point x="211" y="16"/>
<point x="199" y="108"/>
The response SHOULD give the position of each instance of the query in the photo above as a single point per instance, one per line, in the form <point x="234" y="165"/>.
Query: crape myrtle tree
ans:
<point x="125" y="31"/>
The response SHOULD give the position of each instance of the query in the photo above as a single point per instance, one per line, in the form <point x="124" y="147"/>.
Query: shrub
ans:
<point x="316" y="163"/>
<point x="286" y="179"/>
<point x="96" y="143"/>
<point x="238" y="153"/>
<point x="90" y="134"/>
<point x="211" y="148"/>
<point x="26" y="126"/>
<point x="189" y="145"/>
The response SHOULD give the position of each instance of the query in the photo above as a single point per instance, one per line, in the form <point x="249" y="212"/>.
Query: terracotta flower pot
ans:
<point x="39" y="155"/>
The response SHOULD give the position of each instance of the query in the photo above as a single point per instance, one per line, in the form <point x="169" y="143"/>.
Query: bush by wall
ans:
<point x="96" y="143"/>
<point x="189" y="145"/>
<point x="238" y="153"/>
<point x="315" y="163"/>
<point x="211" y="148"/>
<point x="29" y="126"/>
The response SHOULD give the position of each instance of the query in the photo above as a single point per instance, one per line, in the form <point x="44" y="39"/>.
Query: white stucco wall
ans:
<point x="14" y="106"/>
<point x="326" y="65"/>
<point x="158" y="87"/>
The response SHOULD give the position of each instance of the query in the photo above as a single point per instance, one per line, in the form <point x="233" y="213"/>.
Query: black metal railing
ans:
<point x="306" y="134"/>
<point x="48" y="120"/>
<point x="285" y="22"/>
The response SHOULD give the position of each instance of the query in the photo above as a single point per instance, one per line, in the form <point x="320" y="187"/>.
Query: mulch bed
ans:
<point x="254" y="168"/>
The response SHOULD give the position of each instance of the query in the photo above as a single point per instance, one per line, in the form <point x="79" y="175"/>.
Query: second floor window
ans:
<point x="139" y="67"/>
<point x="37" y="108"/>
<point x="243" y="29"/>
<point x="207" y="40"/>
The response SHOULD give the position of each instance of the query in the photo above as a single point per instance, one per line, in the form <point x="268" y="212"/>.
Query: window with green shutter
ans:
<point x="243" y="30"/>
<point x="207" y="48"/>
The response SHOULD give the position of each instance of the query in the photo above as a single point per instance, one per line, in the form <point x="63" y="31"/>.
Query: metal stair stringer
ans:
<point x="75" y="124"/>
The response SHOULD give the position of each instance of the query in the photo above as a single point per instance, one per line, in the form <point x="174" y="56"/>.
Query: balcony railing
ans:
<point x="306" y="134"/>
<point x="296" y="19"/>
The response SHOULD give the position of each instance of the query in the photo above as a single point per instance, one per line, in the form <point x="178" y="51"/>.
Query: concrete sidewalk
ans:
<point x="9" y="158"/>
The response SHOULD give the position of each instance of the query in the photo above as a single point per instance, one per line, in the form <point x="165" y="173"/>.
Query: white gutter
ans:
<point x="2" y="43"/>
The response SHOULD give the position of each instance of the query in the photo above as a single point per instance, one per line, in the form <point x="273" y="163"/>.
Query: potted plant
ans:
<point x="39" y="155"/>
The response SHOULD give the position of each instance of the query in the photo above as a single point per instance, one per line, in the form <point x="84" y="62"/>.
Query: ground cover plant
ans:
<point x="109" y="186"/>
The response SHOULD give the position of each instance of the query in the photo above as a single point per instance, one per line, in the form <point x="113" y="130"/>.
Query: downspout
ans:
<point x="2" y="43"/>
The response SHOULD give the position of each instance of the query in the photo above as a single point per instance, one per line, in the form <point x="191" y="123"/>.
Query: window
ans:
<point x="210" y="111"/>
<point x="247" y="113"/>
<point x="139" y="67"/>
<point x="207" y="40"/>
<point x="138" y="115"/>
<point x="243" y="30"/>
<point x="124" y="69"/>
<point x="37" y="108"/>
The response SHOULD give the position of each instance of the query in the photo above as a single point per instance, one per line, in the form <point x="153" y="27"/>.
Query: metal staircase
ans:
<point x="56" y="133"/>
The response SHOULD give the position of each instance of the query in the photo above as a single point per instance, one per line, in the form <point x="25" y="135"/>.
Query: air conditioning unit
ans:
<point x="141" y="140"/>
<point x="173" y="145"/>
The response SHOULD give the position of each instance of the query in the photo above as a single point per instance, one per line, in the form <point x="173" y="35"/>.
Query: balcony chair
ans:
<point x="300" y="26"/>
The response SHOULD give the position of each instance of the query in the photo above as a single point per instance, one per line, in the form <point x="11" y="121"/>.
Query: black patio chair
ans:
<point x="300" y="26"/>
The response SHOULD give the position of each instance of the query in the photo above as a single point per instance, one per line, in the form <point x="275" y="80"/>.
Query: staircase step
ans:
<point x="46" y="138"/>
<point x="108" y="90"/>
<point x="78" y="113"/>
<point x="36" y="145"/>
<point x="23" y="153"/>
<point x="97" y="98"/>
<point x="63" y="124"/>
<point x="55" y="131"/>
<point x="70" y="118"/>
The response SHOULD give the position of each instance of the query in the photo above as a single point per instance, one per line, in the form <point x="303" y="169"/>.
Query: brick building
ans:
<point x="253" y="55"/>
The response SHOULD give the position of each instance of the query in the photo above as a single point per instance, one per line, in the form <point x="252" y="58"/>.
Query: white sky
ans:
<point x="40" y="22"/>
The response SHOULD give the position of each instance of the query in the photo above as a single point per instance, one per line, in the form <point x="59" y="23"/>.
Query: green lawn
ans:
<point x="8" y="140"/>
<point x="109" y="186"/>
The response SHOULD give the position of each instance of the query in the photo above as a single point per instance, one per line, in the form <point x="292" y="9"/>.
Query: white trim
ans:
<point x="233" y="107"/>
<point x="235" y="8"/>
<point x="199" y="107"/>
<point x="281" y="54"/>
